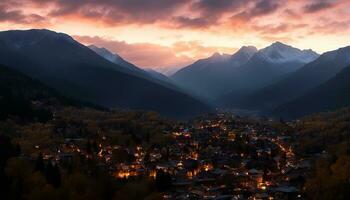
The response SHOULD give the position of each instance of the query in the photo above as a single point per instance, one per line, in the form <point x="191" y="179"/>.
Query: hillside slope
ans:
<point x="332" y="95"/>
<point x="77" y="71"/>
<point x="295" y="84"/>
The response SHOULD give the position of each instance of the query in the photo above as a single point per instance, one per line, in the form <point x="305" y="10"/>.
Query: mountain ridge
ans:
<point x="76" y="71"/>
<point x="298" y="83"/>
<point x="247" y="69"/>
<point x="329" y="96"/>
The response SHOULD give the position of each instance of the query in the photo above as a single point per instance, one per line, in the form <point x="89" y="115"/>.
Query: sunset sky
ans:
<point x="169" y="33"/>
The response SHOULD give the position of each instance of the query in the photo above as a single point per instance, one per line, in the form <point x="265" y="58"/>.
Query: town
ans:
<point x="218" y="156"/>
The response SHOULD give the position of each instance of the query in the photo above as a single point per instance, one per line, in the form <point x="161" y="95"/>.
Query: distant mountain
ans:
<point x="167" y="71"/>
<point x="295" y="84"/>
<point x="281" y="53"/>
<point x="146" y="74"/>
<point x="210" y="77"/>
<point x="246" y="70"/>
<point x="271" y="64"/>
<point x="159" y="76"/>
<point x="329" y="96"/>
<point x="114" y="58"/>
<point x="75" y="70"/>
<point x="242" y="56"/>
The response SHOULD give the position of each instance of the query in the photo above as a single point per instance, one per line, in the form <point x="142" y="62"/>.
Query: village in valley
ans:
<point x="218" y="156"/>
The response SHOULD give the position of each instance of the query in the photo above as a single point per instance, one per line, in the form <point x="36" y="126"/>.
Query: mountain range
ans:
<point x="246" y="70"/>
<point x="278" y="80"/>
<point x="75" y="70"/>
<point x="150" y="74"/>
<point x="294" y="85"/>
<point x="114" y="58"/>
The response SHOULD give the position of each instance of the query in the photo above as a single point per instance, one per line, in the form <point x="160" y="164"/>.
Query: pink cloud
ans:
<point x="141" y="54"/>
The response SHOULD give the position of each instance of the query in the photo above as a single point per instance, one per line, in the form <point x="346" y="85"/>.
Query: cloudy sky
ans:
<point x="168" y="33"/>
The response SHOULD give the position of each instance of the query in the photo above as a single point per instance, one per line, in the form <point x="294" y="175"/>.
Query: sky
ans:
<point x="175" y="33"/>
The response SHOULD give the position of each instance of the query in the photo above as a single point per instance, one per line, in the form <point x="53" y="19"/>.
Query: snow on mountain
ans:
<point x="106" y="54"/>
<point x="280" y="53"/>
<point x="242" y="55"/>
<point x="114" y="58"/>
<point x="217" y="57"/>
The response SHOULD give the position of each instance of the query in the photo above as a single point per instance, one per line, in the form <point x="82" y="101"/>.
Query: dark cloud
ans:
<point x="141" y="54"/>
<point x="260" y="8"/>
<point x="145" y="11"/>
<point x="318" y="6"/>
<point x="17" y="16"/>
<point x="291" y="13"/>
<point x="171" y="14"/>
<point x="148" y="11"/>
<point x="198" y="22"/>
<point x="209" y="13"/>
<point x="202" y="13"/>
<point x="214" y="7"/>
<point x="264" y="7"/>
<point x="6" y="15"/>
<point x="329" y="27"/>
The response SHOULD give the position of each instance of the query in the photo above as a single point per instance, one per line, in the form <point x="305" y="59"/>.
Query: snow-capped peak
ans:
<point x="247" y="50"/>
<point x="279" y="52"/>
<point x="217" y="57"/>
<point x="242" y="55"/>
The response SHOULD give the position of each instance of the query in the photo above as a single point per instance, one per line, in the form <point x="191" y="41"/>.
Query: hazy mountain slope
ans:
<point x="159" y="76"/>
<point x="146" y="74"/>
<point x="271" y="63"/>
<point x="210" y="77"/>
<point x="296" y="84"/>
<point x="114" y="58"/>
<point x="246" y="70"/>
<point x="77" y="71"/>
<point x="333" y="94"/>
<point x="167" y="71"/>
